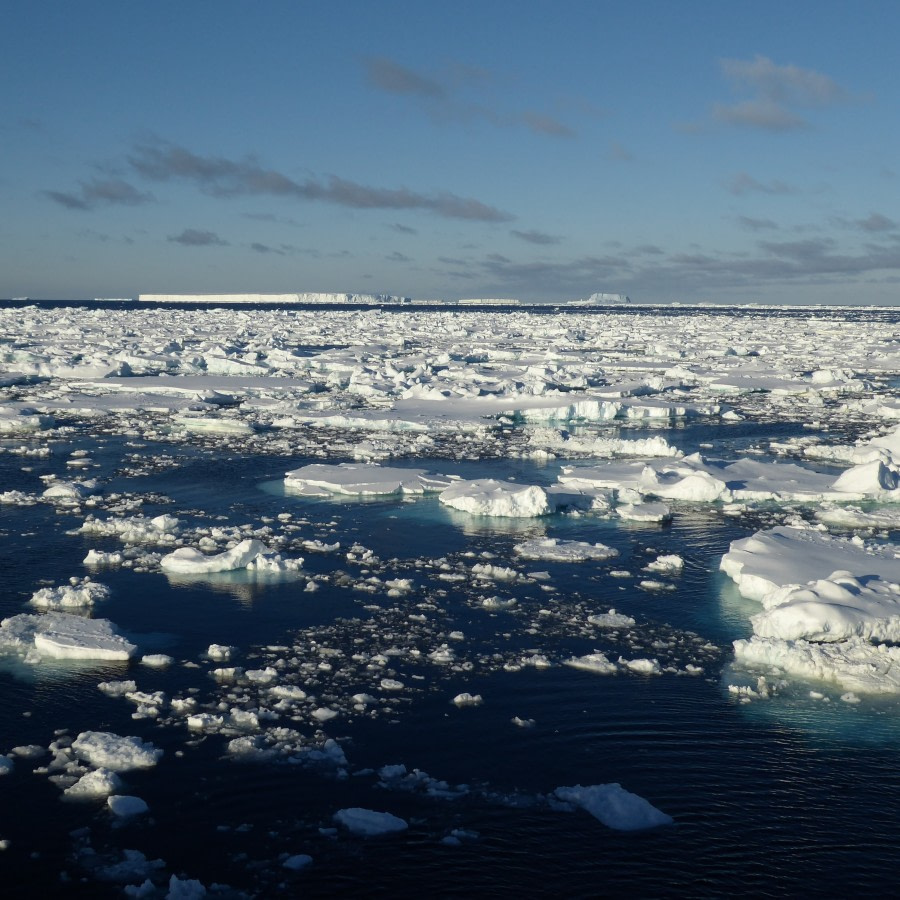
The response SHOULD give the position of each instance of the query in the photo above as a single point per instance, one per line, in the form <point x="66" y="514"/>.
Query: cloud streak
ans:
<point x="441" y="99"/>
<point x="193" y="237"/>
<point x="223" y="177"/>
<point x="777" y="94"/>
<point x="100" y="192"/>
<point x="536" y="237"/>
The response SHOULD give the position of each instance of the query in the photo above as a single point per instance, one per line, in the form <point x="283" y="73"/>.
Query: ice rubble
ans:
<point x="555" y="550"/>
<point x="79" y="593"/>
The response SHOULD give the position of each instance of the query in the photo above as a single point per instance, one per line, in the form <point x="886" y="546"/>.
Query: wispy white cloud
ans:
<point x="100" y="192"/>
<point x="777" y="94"/>
<point x="742" y="183"/>
<point x="223" y="177"/>
<point x="443" y="97"/>
<point x="193" y="237"/>
<point x="536" y="237"/>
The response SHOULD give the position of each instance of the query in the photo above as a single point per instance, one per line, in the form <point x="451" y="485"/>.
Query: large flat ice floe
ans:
<point x="825" y="602"/>
<point x="698" y="480"/>
<point x="61" y="635"/>
<point x="353" y="479"/>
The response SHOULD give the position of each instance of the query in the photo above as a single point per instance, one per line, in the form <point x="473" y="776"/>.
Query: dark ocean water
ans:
<point x="781" y="798"/>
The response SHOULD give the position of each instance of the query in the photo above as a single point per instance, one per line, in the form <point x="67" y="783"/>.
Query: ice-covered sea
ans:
<point x="359" y="602"/>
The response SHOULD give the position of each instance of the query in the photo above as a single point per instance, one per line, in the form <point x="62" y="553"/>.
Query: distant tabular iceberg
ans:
<point x="602" y="299"/>
<point x="309" y="297"/>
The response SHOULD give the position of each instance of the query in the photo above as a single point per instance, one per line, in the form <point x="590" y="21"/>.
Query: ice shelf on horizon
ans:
<point x="307" y="297"/>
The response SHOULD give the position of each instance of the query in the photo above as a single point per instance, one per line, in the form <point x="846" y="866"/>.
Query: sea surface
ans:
<point x="780" y="798"/>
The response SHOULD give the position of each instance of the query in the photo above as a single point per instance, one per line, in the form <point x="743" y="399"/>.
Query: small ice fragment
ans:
<point x="125" y="806"/>
<point x="368" y="822"/>
<point x="466" y="699"/>
<point x="157" y="660"/>
<point x="614" y="806"/>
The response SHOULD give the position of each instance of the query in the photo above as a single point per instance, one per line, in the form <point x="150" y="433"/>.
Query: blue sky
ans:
<point x="669" y="150"/>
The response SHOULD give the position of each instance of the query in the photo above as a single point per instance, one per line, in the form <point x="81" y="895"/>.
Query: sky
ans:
<point x="673" y="151"/>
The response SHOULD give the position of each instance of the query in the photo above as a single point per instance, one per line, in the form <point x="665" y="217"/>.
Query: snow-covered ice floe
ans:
<point x="248" y="554"/>
<point x="61" y="635"/>
<point x="321" y="480"/>
<point x="492" y="497"/>
<point x="826" y="603"/>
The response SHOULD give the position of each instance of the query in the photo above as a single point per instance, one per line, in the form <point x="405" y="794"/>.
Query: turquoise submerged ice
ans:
<point x="469" y="523"/>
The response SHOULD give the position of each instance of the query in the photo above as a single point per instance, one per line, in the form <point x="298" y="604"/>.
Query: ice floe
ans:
<point x="248" y="554"/>
<point x="825" y="601"/>
<point x="614" y="806"/>
<point x="61" y="635"/>
<point x="368" y="822"/>
<point x="361" y="480"/>
<point x="555" y="550"/>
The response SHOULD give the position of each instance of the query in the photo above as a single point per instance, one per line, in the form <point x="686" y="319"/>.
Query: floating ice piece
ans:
<point x="611" y="619"/>
<point x="78" y="593"/>
<point x="593" y="662"/>
<point x="297" y="862"/>
<point x="874" y="478"/>
<point x="671" y="562"/>
<point x="64" y="636"/>
<point x="70" y="491"/>
<point x="94" y="785"/>
<point x="467" y="699"/>
<point x="157" y="660"/>
<point x="114" y="752"/>
<point x="125" y="806"/>
<point x="641" y="666"/>
<point x="490" y="497"/>
<point x="794" y="556"/>
<point x="249" y="553"/>
<point x="683" y="484"/>
<point x="219" y="652"/>
<point x="644" y="512"/>
<point x="614" y="806"/>
<point x="361" y="480"/>
<point x="697" y="480"/>
<point x="368" y="822"/>
<point x="562" y="443"/>
<point x="832" y="609"/>
<point x="135" y="530"/>
<point x="854" y="664"/>
<point x="884" y="448"/>
<point x="213" y="424"/>
<point x="16" y="420"/>
<point x="854" y="517"/>
<point x="554" y="550"/>
<point x="117" y="688"/>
